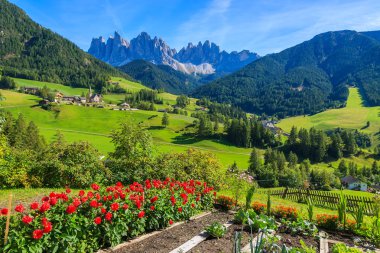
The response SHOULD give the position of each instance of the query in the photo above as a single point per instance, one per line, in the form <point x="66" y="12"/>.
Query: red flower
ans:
<point x="103" y="210"/>
<point x="46" y="198"/>
<point x="53" y="201"/>
<point x="180" y="209"/>
<point x="108" y="216"/>
<point x="37" y="234"/>
<point x="141" y="214"/>
<point x="76" y="202"/>
<point x="115" y="206"/>
<point x="27" y="219"/>
<point x="214" y="194"/>
<point x="95" y="187"/>
<point x="125" y="206"/>
<point x="94" y="203"/>
<point x="81" y="193"/>
<point x="44" y="207"/>
<point x="192" y="205"/>
<point x="97" y="220"/>
<point x="34" y="206"/>
<point x="20" y="208"/>
<point x="152" y="208"/>
<point x="172" y="199"/>
<point x="68" y="190"/>
<point x="154" y="199"/>
<point x="47" y="227"/>
<point x="71" y="209"/>
<point x="119" y="184"/>
<point x="171" y="222"/>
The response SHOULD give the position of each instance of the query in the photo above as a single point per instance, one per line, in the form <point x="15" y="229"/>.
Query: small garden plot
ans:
<point x="224" y="244"/>
<point x="172" y="238"/>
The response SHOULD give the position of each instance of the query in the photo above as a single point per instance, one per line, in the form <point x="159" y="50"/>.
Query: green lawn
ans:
<point x="95" y="124"/>
<point x="354" y="116"/>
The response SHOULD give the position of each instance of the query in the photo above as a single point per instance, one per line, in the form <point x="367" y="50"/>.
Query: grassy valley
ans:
<point x="95" y="124"/>
<point x="354" y="115"/>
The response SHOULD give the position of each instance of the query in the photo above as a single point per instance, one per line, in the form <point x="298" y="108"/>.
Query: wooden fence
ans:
<point x="323" y="198"/>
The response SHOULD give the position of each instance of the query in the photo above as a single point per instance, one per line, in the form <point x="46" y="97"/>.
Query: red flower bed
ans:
<point x="258" y="207"/>
<point x="286" y="212"/>
<point x="328" y="221"/>
<point x="103" y="216"/>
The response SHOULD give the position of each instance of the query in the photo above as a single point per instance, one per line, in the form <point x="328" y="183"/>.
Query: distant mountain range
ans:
<point x="305" y="79"/>
<point x="204" y="59"/>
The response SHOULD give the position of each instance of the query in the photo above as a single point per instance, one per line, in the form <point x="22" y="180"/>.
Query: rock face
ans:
<point x="206" y="58"/>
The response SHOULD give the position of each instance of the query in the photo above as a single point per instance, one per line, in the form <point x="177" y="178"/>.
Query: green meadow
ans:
<point x="354" y="116"/>
<point x="96" y="124"/>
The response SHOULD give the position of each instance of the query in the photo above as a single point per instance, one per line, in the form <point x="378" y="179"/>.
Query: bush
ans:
<point x="258" y="207"/>
<point x="225" y="202"/>
<point x="285" y="212"/>
<point x="327" y="221"/>
<point x="103" y="216"/>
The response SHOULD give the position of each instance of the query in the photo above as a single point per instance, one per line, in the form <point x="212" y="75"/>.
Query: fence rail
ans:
<point x="323" y="199"/>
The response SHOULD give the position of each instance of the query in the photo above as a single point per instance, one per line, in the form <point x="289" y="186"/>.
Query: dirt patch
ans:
<point x="170" y="239"/>
<point x="294" y="241"/>
<point x="224" y="244"/>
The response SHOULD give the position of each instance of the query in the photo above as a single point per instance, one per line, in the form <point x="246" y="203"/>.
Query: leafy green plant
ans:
<point x="342" y="248"/>
<point x="262" y="222"/>
<point x="241" y="216"/>
<point x="237" y="242"/>
<point x="216" y="230"/>
<point x="249" y="196"/>
<point x="359" y="215"/>
<point x="269" y="205"/>
<point x="299" y="227"/>
<point x="342" y="209"/>
<point x="310" y="208"/>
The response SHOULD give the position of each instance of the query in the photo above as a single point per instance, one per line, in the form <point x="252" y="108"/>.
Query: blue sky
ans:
<point x="262" y="26"/>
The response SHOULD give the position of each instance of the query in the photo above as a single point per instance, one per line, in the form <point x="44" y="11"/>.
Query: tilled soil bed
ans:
<point x="294" y="241"/>
<point x="170" y="239"/>
<point x="224" y="244"/>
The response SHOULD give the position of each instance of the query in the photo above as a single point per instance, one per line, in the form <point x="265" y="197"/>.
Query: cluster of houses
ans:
<point x="91" y="98"/>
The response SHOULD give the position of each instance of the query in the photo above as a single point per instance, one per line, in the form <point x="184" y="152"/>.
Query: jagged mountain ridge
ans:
<point x="206" y="58"/>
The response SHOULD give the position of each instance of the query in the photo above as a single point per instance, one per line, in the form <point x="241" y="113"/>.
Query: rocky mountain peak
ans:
<point x="204" y="58"/>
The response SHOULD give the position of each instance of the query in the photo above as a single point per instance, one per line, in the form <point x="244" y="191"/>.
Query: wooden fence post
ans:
<point x="284" y="193"/>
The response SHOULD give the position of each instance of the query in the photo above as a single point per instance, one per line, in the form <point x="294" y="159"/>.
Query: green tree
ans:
<point x="255" y="162"/>
<point x="165" y="119"/>
<point x="33" y="139"/>
<point x="204" y="126"/>
<point x="342" y="167"/>
<point x="132" y="159"/>
<point x="183" y="101"/>
<point x="7" y="83"/>
<point x="293" y="160"/>
<point x="336" y="146"/>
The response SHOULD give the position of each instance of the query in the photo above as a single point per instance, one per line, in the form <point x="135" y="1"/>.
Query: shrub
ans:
<point x="225" y="202"/>
<point x="258" y="207"/>
<point x="299" y="227"/>
<point x="330" y="222"/>
<point x="216" y="230"/>
<point x="285" y="212"/>
<point x="103" y="216"/>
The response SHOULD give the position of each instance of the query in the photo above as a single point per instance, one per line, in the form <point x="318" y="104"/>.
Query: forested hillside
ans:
<point x="31" y="51"/>
<point x="160" y="77"/>
<point x="306" y="78"/>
